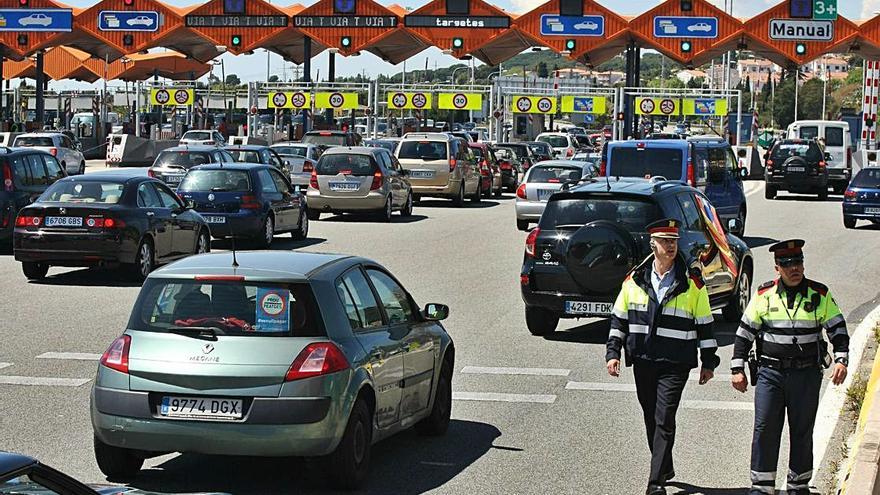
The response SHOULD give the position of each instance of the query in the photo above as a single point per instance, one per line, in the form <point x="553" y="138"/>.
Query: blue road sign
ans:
<point x="685" y="27"/>
<point x="344" y="6"/>
<point x="583" y="104"/>
<point x="572" y="25"/>
<point x="36" y="20"/>
<point x="233" y="7"/>
<point x="801" y="9"/>
<point x="588" y="118"/>
<point x="117" y="20"/>
<point x="704" y="106"/>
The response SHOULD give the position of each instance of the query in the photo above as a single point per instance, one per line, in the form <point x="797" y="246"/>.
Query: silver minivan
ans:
<point x="540" y="182"/>
<point x="440" y="165"/>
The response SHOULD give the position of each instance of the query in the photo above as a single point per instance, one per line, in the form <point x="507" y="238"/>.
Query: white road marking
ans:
<point x="5" y="365"/>
<point x="496" y="397"/>
<point x="489" y="370"/>
<point x="758" y="187"/>
<point x="43" y="381"/>
<point x="717" y="404"/>
<point x="601" y="386"/>
<point x="78" y="356"/>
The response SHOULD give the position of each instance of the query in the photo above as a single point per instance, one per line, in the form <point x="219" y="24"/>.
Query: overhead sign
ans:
<point x="825" y="10"/>
<point x="801" y="30"/>
<point x="533" y="104"/>
<point x="237" y="21"/>
<point x="658" y="106"/>
<point x="685" y="27"/>
<point x="345" y="7"/>
<point x="36" y="20"/>
<point x="122" y="20"/>
<point x="583" y="104"/>
<point x="416" y="101"/>
<point x="802" y="9"/>
<point x="708" y="107"/>
<point x="234" y="7"/>
<point x="572" y="25"/>
<point x="282" y="99"/>
<point x="457" y="21"/>
<point x="460" y="101"/>
<point x="171" y="96"/>
<point x="336" y="100"/>
<point x="345" y="21"/>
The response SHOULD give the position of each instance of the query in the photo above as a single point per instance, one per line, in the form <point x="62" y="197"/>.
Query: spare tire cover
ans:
<point x="794" y="161"/>
<point x="599" y="256"/>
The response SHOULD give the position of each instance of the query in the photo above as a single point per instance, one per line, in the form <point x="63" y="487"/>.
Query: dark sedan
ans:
<point x="861" y="201"/>
<point x="540" y="150"/>
<point x="107" y="219"/>
<point x="246" y="200"/>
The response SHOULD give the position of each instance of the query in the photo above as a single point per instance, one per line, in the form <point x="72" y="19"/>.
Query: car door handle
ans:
<point x="150" y="214"/>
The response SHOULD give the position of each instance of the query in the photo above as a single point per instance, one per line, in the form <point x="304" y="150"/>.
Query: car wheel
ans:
<point x="313" y="214"/>
<point x="458" y="201"/>
<point x="386" y="211"/>
<point x="143" y="261"/>
<point x="769" y="192"/>
<point x="823" y="194"/>
<point x="436" y="423"/>
<point x="541" y="321"/>
<point x="407" y="209"/>
<point x="203" y="244"/>
<point x="348" y="465"/>
<point x="522" y="224"/>
<point x="34" y="271"/>
<point x="301" y="232"/>
<point x="478" y="196"/>
<point x="82" y="168"/>
<point x="848" y="222"/>
<point x="739" y="300"/>
<point x="117" y="462"/>
<point x="268" y="233"/>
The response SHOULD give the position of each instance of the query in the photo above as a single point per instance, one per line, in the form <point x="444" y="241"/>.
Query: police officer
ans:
<point x="785" y="320"/>
<point x="662" y="316"/>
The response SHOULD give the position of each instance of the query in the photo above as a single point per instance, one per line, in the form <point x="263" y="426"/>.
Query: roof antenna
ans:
<point x="608" y="181"/>
<point x="234" y="260"/>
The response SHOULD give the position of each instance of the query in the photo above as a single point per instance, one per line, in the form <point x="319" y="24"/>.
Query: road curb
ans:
<point x="864" y="468"/>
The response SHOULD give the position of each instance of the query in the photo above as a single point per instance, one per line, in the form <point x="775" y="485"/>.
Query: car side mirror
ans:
<point x="744" y="173"/>
<point x="734" y="225"/>
<point x="435" y="312"/>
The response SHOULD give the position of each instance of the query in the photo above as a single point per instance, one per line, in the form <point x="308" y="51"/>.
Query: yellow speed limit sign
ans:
<point x="412" y="101"/>
<point x="171" y="96"/>
<point x="658" y="106"/>
<point x="283" y="99"/>
<point x="460" y="101"/>
<point x="533" y="104"/>
<point x="336" y="100"/>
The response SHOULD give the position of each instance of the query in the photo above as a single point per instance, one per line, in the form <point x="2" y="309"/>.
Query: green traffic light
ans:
<point x="800" y="49"/>
<point x="686" y="46"/>
<point x="346" y="41"/>
<point x="236" y="40"/>
<point x="457" y="43"/>
<point x="569" y="45"/>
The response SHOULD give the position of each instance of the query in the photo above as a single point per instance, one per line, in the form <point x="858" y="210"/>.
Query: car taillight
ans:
<point x="250" y="202"/>
<point x="603" y="168"/>
<point x="308" y="167"/>
<point x="849" y="158"/>
<point x="506" y="166"/>
<point x="524" y="279"/>
<point x="53" y="151"/>
<point x="769" y="165"/>
<point x="378" y="178"/>
<point x="8" y="183"/>
<point x="26" y="221"/>
<point x="692" y="176"/>
<point x="570" y="152"/>
<point x="822" y="165"/>
<point x="452" y="163"/>
<point x="151" y="173"/>
<point x="319" y="358"/>
<point x="849" y="194"/>
<point x="104" y="223"/>
<point x="313" y="180"/>
<point x="521" y="191"/>
<point x="530" y="242"/>
<point x="116" y="356"/>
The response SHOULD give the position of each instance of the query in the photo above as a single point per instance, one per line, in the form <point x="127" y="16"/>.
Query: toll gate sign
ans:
<point x="460" y="101"/>
<point x="409" y="101"/>
<point x="172" y="96"/>
<point x="336" y="100"/>
<point x="533" y="104"/>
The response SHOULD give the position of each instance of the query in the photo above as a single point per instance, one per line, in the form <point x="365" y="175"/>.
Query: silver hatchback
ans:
<point x="540" y="182"/>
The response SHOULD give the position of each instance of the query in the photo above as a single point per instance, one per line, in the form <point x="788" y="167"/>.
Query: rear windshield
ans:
<point x="422" y="150"/>
<point x="335" y="139"/>
<point x="246" y="156"/>
<point x="229" y="308"/>
<point x="633" y="215"/>
<point x="33" y="141"/>
<point x="545" y="174"/>
<point x="348" y="164"/>
<point x="83" y="192"/>
<point x="808" y="151"/>
<point x="388" y="145"/>
<point x="185" y="159"/>
<point x="478" y="152"/>
<point x="198" y="136"/>
<point x="555" y="141"/>
<point x="519" y="151"/>
<point x="834" y="136"/>
<point x="291" y="150"/>
<point x="867" y="177"/>
<point x="647" y="162"/>
<point x="215" y="180"/>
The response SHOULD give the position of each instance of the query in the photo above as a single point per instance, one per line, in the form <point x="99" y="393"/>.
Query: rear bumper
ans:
<point x="73" y="249"/>
<point x="838" y="175"/>
<point x="238" y="224"/>
<point x="449" y="190"/>
<point x="529" y="210"/>
<point x="555" y="302"/>
<point x="857" y="210"/>
<point x="374" y="200"/>
<point x="799" y="183"/>
<point x="509" y="179"/>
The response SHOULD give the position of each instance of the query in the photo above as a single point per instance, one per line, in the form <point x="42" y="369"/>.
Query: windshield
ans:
<point x="185" y="159"/>
<point x="555" y="141"/>
<point x="519" y="151"/>
<point x="33" y="141"/>
<point x="388" y="145"/>
<point x="867" y="177"/>
<point x="548" y="174"/>
<point x="808" y="151"/>
<point x="215" y="180"/>
<point x="83" y="192"/>
<point x="348" y="164"/>
<point x="422" y="150"/>
<point x="646" y="162"/>
<point x="197" y="136"/>
<point x="231" y="308"/>
<point x="246" y="156"/>
<point x="633" y="215"/>
<point x="291" y="150"/>
<point x="334" y="139"/>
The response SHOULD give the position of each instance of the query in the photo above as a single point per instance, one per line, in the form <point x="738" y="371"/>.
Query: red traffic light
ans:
<point x="22" y="3"/>
<point x="128" y="3"/>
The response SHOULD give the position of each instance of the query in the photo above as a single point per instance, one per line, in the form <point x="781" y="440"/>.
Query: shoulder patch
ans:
<point x="822" y="289"/>
<point x="766" y="286"/>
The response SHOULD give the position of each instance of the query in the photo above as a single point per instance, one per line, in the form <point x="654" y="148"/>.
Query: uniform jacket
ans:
<point x="670" y="330"/>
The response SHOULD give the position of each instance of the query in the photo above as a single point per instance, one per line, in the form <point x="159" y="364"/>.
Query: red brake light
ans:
<point x="250" y="202"/>
<point x="452" y="164"/>
<point x="377" y="180"/>
<point x="822" y="165"/>
<point x="104" y="223"/>
<point x="506" y="166"/>
<point x="151" y="173"/>
<point x="221" y="278"/>
<point x="530" y="242"/>
<point x="308" y="167"/>
<point x="570" y="152"/>
<point x="319" y="358"/>
<point x="8" y="184"/>
<point x="603" y="168"/>
<point x="116" y="356"/>
<point x="25" y="221"/>
<point x="692" y="176"/>
<point x="524" y="279"/>
<point x="325" y="133"/>
<point x="849" y="194"/>
<point x="521" y="191"/>
<point x="313" y="180"/>
<point x="53" y="151"/>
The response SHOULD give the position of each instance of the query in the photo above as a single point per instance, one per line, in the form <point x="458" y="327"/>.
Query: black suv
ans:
<point x="798" y="166"/>
<point x="591" y="236"/>
<point x="26" y="173"/>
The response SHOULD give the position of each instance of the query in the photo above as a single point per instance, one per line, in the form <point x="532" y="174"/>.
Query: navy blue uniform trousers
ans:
<point x="795" y="391"/>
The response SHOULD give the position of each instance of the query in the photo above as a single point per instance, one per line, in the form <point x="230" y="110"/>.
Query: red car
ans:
<point x="490" y="169"/>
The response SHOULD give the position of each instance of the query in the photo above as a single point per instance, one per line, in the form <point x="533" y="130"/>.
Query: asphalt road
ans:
<point x="555" y="431"/>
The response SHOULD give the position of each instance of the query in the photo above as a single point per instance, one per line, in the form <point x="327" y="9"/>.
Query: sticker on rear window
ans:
<point x="273" y="310"/>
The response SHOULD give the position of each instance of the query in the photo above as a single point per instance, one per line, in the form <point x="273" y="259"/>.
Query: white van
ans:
<point x="838" y="143"/>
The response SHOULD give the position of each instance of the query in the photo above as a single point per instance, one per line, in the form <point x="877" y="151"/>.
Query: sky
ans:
<point x="253" y="67"/>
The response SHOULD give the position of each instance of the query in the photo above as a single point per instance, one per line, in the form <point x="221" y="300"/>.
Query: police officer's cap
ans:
<point x="788" y="251"/>
<point x="664" y="229"/>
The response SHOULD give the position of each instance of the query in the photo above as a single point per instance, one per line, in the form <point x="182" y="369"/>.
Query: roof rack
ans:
<point x="568" y="184"/>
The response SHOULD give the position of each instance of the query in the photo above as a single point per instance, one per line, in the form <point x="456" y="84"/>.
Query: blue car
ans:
<point x="245" y="201"/>
<point x="707" y="164"/>
<point x="861" y="201"/>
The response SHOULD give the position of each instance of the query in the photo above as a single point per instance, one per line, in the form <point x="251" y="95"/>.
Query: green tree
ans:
<point x="273" y="78"/>
<point x="783" y="104"/>
<point x="232" y="80"/>
<point x="810" y="100"/>
<point x="542" y="69"/>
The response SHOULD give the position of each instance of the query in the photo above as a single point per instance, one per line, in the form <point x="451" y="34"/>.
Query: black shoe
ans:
<point x="668" y="476"/>
<point x="655" y="490"/>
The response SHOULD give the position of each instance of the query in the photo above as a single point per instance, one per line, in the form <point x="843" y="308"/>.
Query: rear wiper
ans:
<point x="206" y="333"/>
<point x="220" y="189"/>
<point x="570" y="226"/>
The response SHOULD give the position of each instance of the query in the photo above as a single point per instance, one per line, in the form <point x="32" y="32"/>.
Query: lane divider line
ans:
<point x="490" y="370"/>
<point x="497" y="397"/>
<point x="601" y="386"/>
<point x="77" y="356"/>
<point x="718" y="404"/>
<point x="43" y="381"/>
<point x="5" y="365"/>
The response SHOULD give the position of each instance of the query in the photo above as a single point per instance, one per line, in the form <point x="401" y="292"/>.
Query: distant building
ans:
<point x="689" y="75"/>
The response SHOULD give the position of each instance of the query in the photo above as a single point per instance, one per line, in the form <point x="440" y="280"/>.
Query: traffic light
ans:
<point x="22" y="3"/>
<point x="686" y="46"/>
<point x="345" y="42"/>
<point x="236" y="40"/>
<point x="127" y="40"/>
<point x="457" y="43"/>
<point x="686" y="5"/>
<point x="128" y="3"/>
<point x="800" y="49"/>
<point x="22" y="39"/>
<point x="569" y="45"/>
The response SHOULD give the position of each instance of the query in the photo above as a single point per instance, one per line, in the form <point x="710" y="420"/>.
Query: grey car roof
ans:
<point x="262" y="265"/>
<point x="358" y="150"/>
<point x="192" y="147"/>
